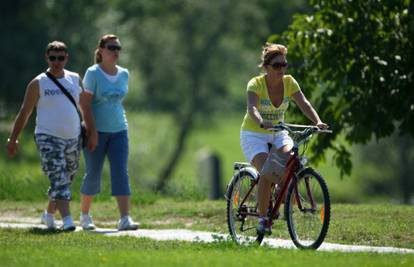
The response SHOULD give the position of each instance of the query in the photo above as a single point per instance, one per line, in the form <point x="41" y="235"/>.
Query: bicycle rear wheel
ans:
<point x="242" y="216"/>
<point x="309" y="223"/>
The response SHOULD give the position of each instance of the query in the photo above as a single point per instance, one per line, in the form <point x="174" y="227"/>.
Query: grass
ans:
<point x="377" y="225"/>
<point x="21" y="178"/>
<point x="38" y="248"/>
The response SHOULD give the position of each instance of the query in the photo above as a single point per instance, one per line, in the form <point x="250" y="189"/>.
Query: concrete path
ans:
<point x="201" y="236"/>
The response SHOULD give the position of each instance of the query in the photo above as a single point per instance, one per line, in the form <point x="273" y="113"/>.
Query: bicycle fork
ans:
<point x="309" y="194"/>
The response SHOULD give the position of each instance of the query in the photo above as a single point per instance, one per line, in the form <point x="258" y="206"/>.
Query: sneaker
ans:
<point x="264" y="227"/>
<point x="86" y="222"/>
<point x="68" y="225"/>
<point x="48" y="220"/>
<point x="126" y="223"/>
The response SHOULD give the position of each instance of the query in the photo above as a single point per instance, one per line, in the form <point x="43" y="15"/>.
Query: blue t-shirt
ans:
<point x="107" y="98"/>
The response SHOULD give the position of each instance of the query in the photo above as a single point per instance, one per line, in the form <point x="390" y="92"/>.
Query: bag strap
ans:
<point x="65" y="92"/>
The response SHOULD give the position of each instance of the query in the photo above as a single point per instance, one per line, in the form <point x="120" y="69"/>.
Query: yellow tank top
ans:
<point x="265" y="107"/>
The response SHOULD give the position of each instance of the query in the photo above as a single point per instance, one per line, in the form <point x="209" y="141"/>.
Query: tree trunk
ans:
<point x="406" y="184"/>
<point x="196" y="71"/>
<point x="185" y="129"/>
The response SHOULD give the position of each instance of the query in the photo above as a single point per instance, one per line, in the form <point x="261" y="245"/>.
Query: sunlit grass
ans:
<point x="152" y="137"/>
<point x="378" y="225"/>
<point x="36" y="248"/>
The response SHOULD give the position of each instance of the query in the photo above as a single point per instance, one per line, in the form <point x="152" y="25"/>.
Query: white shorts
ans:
<point x="253" y="143"/>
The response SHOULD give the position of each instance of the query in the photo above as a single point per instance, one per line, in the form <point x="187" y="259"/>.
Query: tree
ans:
<point x="387" y="167"/>
<point x="30" y="25"/>
<point x="356" y="59"/>
<point x="191" y="55"/>
<point x="187" y="51"/>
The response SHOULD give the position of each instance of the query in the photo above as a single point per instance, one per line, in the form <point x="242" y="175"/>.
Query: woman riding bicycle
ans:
<point x="268" y="98"/>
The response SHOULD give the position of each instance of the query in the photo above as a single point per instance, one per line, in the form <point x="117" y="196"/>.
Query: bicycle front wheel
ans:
<point x="308" y="210"/>
<point x="242" y="208"/>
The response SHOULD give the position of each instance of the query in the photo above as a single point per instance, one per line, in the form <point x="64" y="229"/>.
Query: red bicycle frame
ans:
<point x="292" y="166"/>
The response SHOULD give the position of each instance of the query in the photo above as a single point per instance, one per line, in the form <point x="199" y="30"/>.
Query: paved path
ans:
<point x="201" y="236"/>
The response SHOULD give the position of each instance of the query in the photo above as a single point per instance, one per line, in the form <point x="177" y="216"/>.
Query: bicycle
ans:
<point x="304" y="191"/>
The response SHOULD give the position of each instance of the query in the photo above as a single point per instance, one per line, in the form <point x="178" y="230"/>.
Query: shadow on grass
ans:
<point x="45" y="231"/>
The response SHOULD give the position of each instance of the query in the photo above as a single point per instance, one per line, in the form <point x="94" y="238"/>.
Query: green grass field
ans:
<point x="21" y="178"/>
<point x="23" y="195"/>
<point x="31" y="248"/>
<point x="379" y="225"/>
<point x="369" y="224"/>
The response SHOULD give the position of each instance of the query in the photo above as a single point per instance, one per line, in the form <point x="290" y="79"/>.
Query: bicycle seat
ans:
<point x="239" y="165"/>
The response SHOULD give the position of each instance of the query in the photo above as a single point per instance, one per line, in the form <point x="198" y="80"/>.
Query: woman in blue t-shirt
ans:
<point x="106" y="85"/>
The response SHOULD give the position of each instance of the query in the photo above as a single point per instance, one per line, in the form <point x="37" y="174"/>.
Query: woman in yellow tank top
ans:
<point x="268" y="97"/>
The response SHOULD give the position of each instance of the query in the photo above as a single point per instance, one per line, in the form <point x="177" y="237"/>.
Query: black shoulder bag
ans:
<point x="83" y="137"/>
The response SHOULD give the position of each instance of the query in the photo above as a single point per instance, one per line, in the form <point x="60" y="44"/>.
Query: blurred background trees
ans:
<point x="192" y="59"/>
<point x="357" y="59"/>
<point x="28" y="26"/>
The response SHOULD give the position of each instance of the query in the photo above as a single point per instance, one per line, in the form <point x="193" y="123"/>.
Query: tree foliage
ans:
<point x="188" y="51"/>
<point x="28" y="27"/>
<point x="356" y="59"/>
<point x="190" y="56"/>
<point x="388" y="167"/>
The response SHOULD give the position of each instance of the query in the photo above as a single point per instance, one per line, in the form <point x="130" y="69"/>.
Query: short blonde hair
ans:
<point x="270" y="51"/>
<point x="102" y="42"/>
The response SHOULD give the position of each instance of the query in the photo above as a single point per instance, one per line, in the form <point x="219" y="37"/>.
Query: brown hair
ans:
<point x="102" y="42"/>
<point x="270" y="51"/>
<point x="57" y="46"/>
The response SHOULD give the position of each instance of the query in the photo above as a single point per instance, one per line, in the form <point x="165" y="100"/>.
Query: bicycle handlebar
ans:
<point x="307" y="128"/>
<point x="304" y="134"/>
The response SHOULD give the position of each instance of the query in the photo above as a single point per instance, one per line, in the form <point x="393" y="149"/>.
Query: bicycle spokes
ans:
<point x="242" y="208"/>
<point x="309" y="192"/>
<point x="308" y="210"/>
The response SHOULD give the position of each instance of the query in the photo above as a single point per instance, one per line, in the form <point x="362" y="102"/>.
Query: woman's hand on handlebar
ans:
<point x="322" y="125"/>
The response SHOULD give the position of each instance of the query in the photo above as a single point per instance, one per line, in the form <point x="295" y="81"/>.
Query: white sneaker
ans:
<point x="68" y="224"/>
<point x="126" y="223"/>
<point x="86" y="222"/>
<point x="48" y="220"/>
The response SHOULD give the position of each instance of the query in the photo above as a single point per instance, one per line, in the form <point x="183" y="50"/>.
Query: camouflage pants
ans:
<point x="60" y="161"/>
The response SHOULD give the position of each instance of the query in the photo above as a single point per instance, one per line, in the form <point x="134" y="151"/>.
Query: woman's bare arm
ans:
<point x="307" y="109"/>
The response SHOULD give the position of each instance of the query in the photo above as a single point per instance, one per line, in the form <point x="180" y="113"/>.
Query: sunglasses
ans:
<point x="59" y="58"/>
<point x="113" y="47"/>
<point x="279" y="65"/>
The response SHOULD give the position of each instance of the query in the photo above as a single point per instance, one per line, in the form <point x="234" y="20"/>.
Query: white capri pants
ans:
<point x="253" y="143"/>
